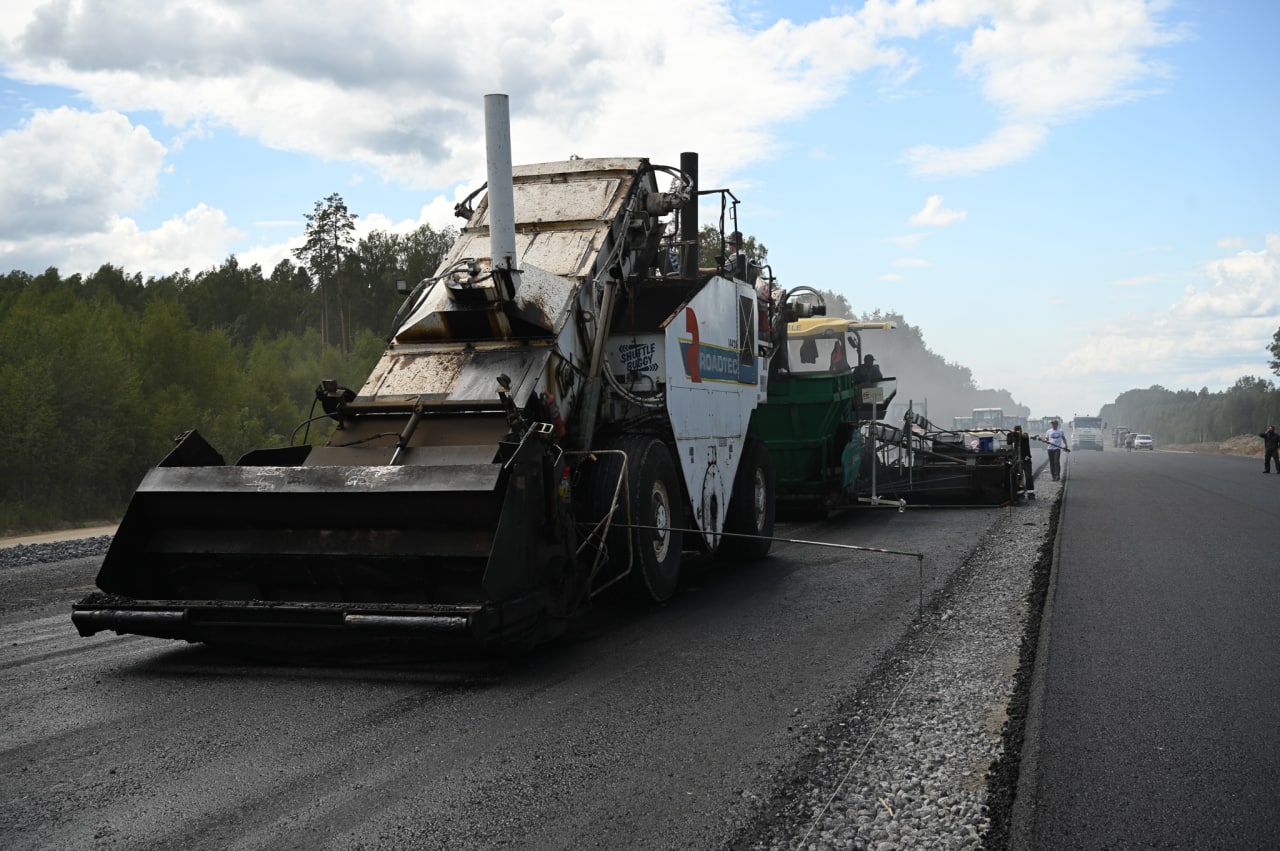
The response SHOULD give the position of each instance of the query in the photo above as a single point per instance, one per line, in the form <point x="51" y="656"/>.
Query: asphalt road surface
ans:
<point x="648" y="729"/>
<point x="1155" y="720"/>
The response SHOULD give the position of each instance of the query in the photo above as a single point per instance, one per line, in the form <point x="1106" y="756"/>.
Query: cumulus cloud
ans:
<point x="1053" y="60"/>
<point x="935" y="215"/>
<point x="1042" y="63"/>
<point x="1244" y="285"/>
<point x="197" y="239"/>
<point x="911" y="262"/>
<point x="1221" y="328"/>
<point x="394" y="86"/>
<point x="68" y="172"/>
<point x="67" y="177"/>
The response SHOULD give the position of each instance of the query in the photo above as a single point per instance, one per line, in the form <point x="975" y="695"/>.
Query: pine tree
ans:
<point x="330" y="236"/>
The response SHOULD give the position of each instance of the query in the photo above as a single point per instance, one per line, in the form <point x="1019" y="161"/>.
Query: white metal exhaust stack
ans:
<point x="502" y="217"/>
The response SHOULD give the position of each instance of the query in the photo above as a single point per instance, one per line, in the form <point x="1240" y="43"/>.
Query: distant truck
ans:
<point x="1046" y="423"/>
<point x="988" y="418"/>
<point x="1086" y="433"/>
<point x="1118" y="435"/>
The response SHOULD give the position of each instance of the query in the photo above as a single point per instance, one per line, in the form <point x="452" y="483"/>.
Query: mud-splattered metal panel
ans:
<point x="570" y="253"/>
<point x="595" y="165"/>
<point x="455" y="375"/>
<point x="578" y="200"/>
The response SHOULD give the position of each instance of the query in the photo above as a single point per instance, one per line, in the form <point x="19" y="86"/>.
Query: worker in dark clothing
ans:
<point x="738" y="262"/>
<point x="867" y="371"/>
<point x="1271" y="447"/>
<point x="1020" y="446"/>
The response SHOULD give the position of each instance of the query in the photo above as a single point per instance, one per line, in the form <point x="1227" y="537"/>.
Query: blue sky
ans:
<point x="1071" y="198"/>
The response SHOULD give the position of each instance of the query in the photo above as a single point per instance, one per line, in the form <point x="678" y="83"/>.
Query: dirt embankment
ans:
<point x="1243" y="444"/>
<point x="9" y="538"/>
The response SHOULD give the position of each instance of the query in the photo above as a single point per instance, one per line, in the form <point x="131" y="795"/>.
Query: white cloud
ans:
<point x="1245" y="285"/>
<point x="393" y="86"/>
<point x="355" y="81"/>
<point x="1232" y="242"/>
<point x="67" y="176"/>
<point x="911" y="262"/>
<point x="934" y="215"/>
<point x="1221" y="329"/>
<point x="1009" y="144"/>
<point x="66" y="172"/>
<point x="1054" y="59"/>
<point x="1042" y="62"/>
<point x="198" y="239"/>
<point x="891" y="276"/>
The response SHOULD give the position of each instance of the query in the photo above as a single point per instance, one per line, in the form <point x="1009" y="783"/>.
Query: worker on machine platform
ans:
<point x="868" y="371"/>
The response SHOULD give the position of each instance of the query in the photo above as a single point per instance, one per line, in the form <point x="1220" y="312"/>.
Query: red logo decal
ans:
<point x="691" y="359"/>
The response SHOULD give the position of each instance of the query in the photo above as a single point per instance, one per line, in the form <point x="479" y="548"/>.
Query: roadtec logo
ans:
<point x="708" y="362"/>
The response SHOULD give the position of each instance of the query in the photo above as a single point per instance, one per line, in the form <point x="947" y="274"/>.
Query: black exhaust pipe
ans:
<point x="689" y="218"/>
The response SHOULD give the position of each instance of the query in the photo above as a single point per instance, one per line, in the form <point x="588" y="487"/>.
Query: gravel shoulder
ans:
<point x="926" y="754"/>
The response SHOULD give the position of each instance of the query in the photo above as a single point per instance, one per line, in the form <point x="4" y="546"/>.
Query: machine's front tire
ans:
<point x="655" y="503"/>
<point x="752" y="505"/>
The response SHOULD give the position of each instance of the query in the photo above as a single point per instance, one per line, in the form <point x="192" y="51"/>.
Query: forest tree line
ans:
<point x="103" y="370"/>
<point x="1190" y="416"/>
<point x="1187" y="416"/>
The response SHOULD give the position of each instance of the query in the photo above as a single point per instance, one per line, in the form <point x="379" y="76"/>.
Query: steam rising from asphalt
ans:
<point x="938" y="389"/>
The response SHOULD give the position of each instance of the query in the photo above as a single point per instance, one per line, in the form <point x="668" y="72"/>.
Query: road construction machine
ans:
<point x="819" y="405"/>
<point x="834" y="444"/>
<point x="562" y="410"/>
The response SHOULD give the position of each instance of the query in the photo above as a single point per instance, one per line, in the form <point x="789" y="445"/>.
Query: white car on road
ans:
<point x="1144" y="441"/>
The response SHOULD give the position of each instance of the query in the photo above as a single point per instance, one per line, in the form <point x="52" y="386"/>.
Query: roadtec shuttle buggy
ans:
<point x="561" y="409"/>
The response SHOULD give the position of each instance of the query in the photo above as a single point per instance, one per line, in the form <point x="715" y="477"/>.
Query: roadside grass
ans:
<point x="1243" y="444"/>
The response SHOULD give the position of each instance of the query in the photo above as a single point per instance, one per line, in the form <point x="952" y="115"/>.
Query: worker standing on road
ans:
<point x="1020" y="443"/>
<point x="1057" y="440"/>
<point x="1271" y="447"/>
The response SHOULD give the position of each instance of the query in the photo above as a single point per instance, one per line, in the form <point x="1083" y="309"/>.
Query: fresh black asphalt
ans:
<point x="1155" y="710"/>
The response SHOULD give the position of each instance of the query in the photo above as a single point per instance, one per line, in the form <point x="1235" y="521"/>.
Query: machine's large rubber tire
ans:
<point x="655" y="501"/>
<point x="751" y="505"/>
